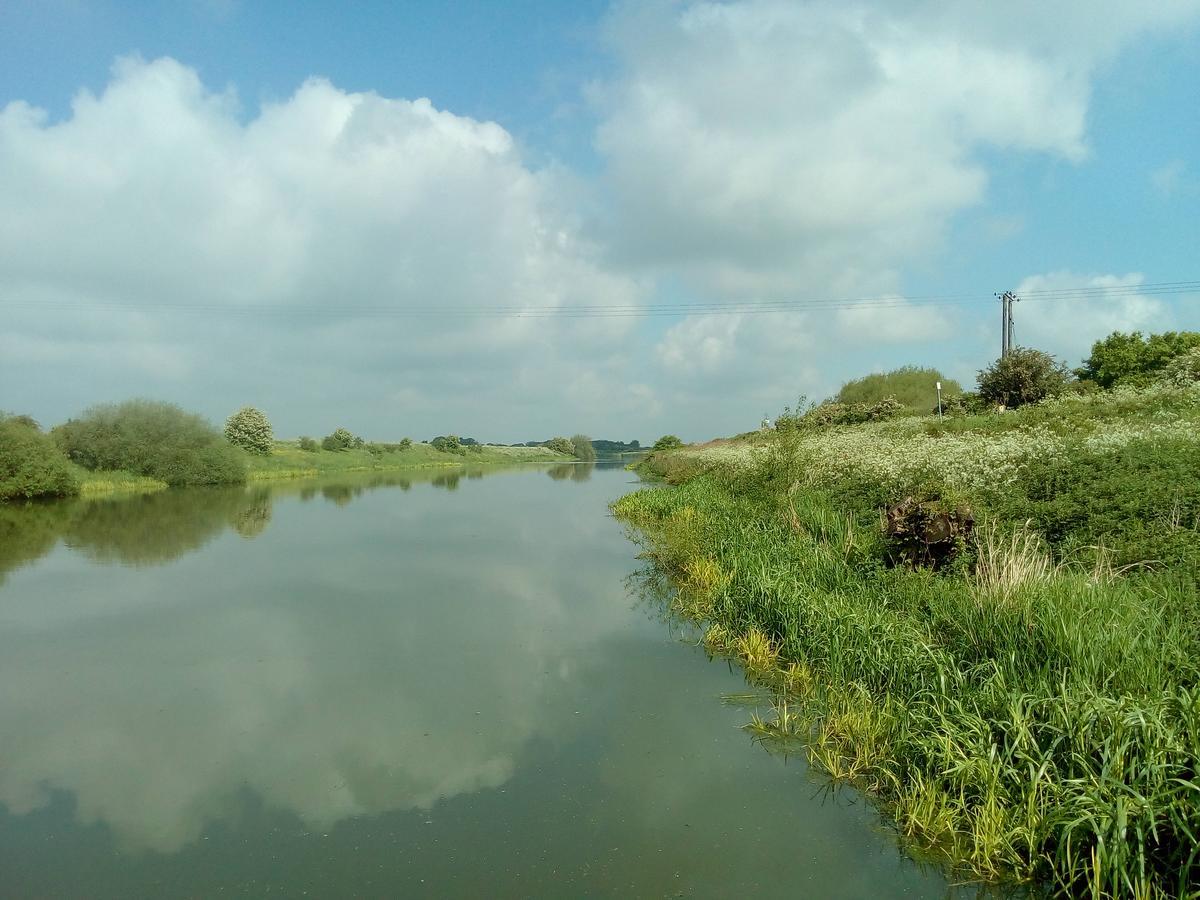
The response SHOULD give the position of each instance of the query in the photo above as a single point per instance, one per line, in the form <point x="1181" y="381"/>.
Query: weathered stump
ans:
<point x="927" y="533"/>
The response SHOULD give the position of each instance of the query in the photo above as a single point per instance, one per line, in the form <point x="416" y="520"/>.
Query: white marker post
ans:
<point x="939" y="390"/>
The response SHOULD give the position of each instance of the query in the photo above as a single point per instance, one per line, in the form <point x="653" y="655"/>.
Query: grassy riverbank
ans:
<point x="1029" y="712"/>
<point x="287" y="460"/>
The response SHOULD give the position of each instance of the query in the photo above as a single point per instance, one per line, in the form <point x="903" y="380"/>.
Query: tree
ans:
<point x="561" y="445"/>
<point x="1021" y="376"/>
<point x="30" y="464"/>
<point x="581" y="446"/>
<point x="1130" y="358"/>
<point x="158" y="440"/>
<point x="309" y="445"/>
<point x="667" y="442"/>
<point x="914" y="388"/>
<point x="249" y="429"/>
<point x="448" y="444"/>
<point x="341" y="439"/>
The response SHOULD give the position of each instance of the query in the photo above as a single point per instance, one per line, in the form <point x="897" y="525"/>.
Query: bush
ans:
<point x="309" y="445"/>
<point x="448" y="444"/>
<point x="341" y="439"/>
<point x="561" y="445"/>
<point x="968" y="403"/>
<point x="1021" y="376"/>
<point x="1183" y="370"/>
<point x="849" y="413"/>
<point x="406" y="443"/>
<point x="1135" y="360"/>
<point x="914" y="389"/>
<point x="30" y="463"/>
<point x="667" y="442"/>
<point x="249" y="429"/>
<point x="581" y="446"/>
<point x="158" y="440"/>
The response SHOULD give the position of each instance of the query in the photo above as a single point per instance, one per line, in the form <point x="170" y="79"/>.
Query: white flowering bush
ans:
<point x="249" y="429"/>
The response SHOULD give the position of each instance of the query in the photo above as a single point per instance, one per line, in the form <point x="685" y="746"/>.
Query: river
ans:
<point x="438" y="684"/>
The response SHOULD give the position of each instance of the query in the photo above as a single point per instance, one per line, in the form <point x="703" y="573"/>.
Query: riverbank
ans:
<point x="1029" y="712"/>
<point x="288" y="461"/>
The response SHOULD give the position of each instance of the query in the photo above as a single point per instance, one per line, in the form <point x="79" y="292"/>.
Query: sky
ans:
<point x="510" y="221"/>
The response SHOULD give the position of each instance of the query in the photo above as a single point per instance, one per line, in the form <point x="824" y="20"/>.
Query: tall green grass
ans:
<point x="1025" y="716"/>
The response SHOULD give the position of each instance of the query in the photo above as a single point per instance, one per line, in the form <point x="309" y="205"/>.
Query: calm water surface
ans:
<point x="437" y="686"/>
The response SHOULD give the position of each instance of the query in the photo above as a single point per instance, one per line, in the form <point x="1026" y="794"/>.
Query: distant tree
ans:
<point x="405" y="443"/>
<point x="1021" y="376"/>
<point x="448" y="444"/>
<point x="581" y="446"/>
<point x="1131" y="358"/>
<point x="30" y="464"/>
<point x="341" y="439"/>
<point x="561" y="445"/>
<point x="249" y="429"/>
<point x="309" y="445"/>
<point x="150" y="438"/>
<point x="667" y="442"/>
<point x="914" y="388"/>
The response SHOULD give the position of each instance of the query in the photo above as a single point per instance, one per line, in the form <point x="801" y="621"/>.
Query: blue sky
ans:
<point x="251" y="205"/>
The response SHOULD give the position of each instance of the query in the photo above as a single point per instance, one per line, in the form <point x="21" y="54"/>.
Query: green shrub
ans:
<point x="406" y="443"/>
<point x="1021" y="376"/>
<point x="341" y="439"/>
<point x="561" y="445"/>
<point x="448" y="444"/>
<point x="667" y="442"/>
<point x="249" y="429"/>
<point x="581" y="446"/>
<point x="1183" y="370"/>
<point x="846" y="414"/>
<point x="915" y="389"/>
<point x="1131" y="359"/>
<point x="30" y="463"/>
<point x="158" y="440"/>
<point x="309" y="445"/>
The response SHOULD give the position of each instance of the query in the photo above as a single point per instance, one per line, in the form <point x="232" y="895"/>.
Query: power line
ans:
<point x="626" y="310"/>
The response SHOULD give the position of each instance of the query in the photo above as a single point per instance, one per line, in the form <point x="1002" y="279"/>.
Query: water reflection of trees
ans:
<point x="157" y="528"/>
<point x="573" y="471"/>
<point x="138" y="531"/>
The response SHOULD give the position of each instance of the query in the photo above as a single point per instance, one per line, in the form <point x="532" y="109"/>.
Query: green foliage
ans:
<point x="1021" y="376"/>
<point x="1139" y="502"/>
<point x="1183" y="370"/>
<point x="561" y="445"/>
<point x="341" y="439"/>
<point x="309" y="445"/>
<point x="667" y="442"/>
<point x="405" y="443"/>
<point x="30" y="463"/>
<point x="249" y="429"/>
<point x="915" y="389"/>
<point x="158" y="440"/>
<point x="843" y="414"/>
<point x="581" y="446"/>
<point x="449" y="443"/>
<point x="1132" y="359"/>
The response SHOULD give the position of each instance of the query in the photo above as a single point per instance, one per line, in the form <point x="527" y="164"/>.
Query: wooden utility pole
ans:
<point x="1007" y="299"/>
